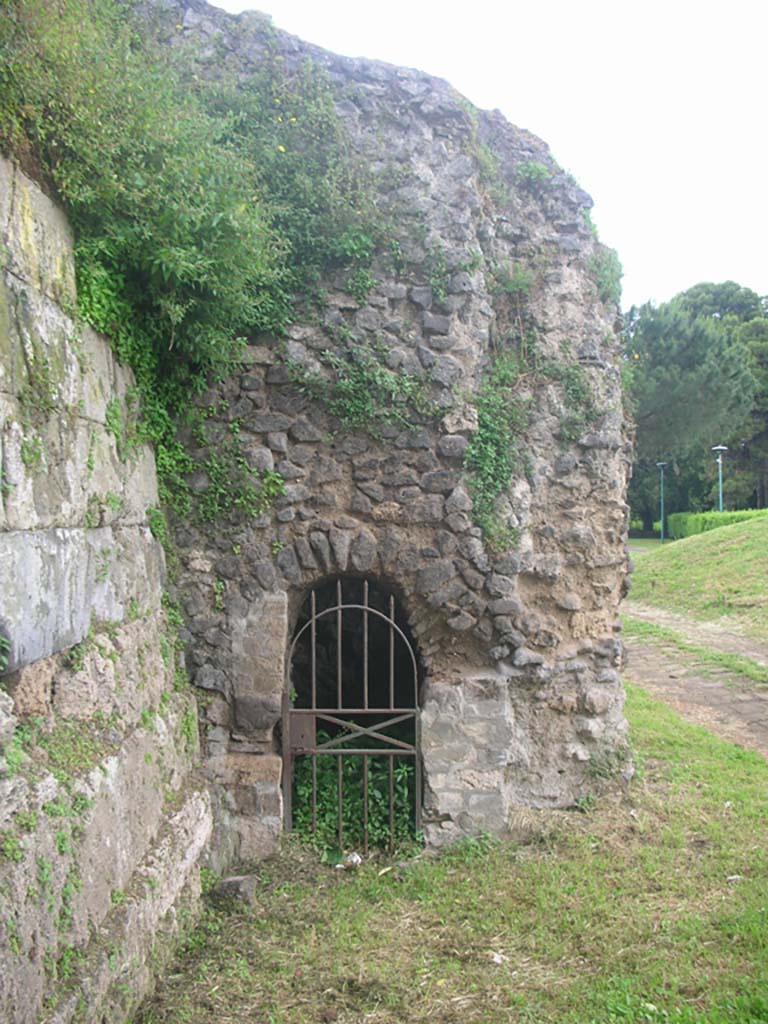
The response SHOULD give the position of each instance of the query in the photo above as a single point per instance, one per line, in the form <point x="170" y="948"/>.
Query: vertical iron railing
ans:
<point x="300" y="725"/>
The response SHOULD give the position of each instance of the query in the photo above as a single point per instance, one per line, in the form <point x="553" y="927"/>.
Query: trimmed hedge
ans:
<point x="686" y="524"/>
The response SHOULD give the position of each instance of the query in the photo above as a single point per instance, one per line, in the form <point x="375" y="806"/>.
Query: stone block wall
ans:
<point x="101" y="823"/>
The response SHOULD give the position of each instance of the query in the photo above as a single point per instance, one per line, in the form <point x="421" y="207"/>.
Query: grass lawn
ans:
<point x="652" y="907"/>
<point x="722" y="574"/>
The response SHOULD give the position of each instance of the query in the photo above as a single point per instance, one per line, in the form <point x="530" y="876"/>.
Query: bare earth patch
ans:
<point x="711" y="634"/>
<point x="722" y="701"/>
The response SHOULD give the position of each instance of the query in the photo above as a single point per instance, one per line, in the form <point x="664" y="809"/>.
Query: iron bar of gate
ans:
<point x="373" y="751"/>
<point x="365" y="804"/>
<point x="338" y="644"/>
<point x="354" y="730"/>
<point x="341" y="807"/>
<point x="288" y="788"/>
<point x="392" y="804"/>
<point x="313" y="606"/>
<point x="373" y="611"/>
<point x="396" y="747"/>
<point x="336" y="744"/>
<point x="314" y="794"/>
<point x="365" y="644"/>
<point x="391" y="652"/>
<point x="329" y="712"/>
<point x="417" y="775"/>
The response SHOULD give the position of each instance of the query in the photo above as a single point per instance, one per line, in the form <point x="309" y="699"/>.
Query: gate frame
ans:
<point x="299" y="725"/>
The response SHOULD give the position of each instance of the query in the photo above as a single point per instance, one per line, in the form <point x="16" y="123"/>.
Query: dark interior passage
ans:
<point x="362" y="658"/>
<point x="353" y="774"/>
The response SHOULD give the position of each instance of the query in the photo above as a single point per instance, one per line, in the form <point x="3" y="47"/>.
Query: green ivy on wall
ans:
<point x="504" y="403"/>
<point x="493" y="456"/>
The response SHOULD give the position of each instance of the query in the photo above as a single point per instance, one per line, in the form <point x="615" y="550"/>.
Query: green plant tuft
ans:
<point x="10" y="847"/>
<point x="438" y="272"/>
<point x="607" y="272"/>
<point x="532" y="175"/>
<point x="326" y="835"/>
<point x="233" y="488"/>
<point x="5" y="652"/>
<point x="362" y="392"/>
<point x="189" y="729"/>
<point x="31" y="452"/>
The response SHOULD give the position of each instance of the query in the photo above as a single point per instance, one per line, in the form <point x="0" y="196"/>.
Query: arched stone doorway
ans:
<point x="351" y="734"/>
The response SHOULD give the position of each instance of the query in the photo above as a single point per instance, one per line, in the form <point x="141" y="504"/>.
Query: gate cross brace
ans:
<point x="354" y="730"/>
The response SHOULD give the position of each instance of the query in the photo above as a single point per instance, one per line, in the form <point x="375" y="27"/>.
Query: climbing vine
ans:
<point x="504" y="403"/>
<point x="233" y="487"/>
<point x="493" y="455"/>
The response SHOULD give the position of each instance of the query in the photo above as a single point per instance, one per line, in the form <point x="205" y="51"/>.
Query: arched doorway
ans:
<point x="351" y="750"/>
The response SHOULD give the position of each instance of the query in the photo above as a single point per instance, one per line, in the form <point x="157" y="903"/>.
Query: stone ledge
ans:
<point x="121" y="828"/>
<point x="146" y="926"/>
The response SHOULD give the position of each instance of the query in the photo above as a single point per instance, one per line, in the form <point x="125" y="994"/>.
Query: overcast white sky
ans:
<point x="658" y="108"/>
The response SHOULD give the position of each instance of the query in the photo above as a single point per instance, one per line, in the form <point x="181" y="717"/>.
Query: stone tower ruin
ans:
<point x="512" y="616"/>
<point x="424" y="562"/>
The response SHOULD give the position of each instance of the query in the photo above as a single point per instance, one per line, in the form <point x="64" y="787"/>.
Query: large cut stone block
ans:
<point x="257" y="714"/>
<point x="245" y="769"/>
<point x="259" y="646"/>
<point x="63" y="472"/>
<point x="7" y="172"/>
<point x="99" y="361"/>
<point x="11" y="357"/>
<point x="56" y="581"/>
<point x="257" y="837"/>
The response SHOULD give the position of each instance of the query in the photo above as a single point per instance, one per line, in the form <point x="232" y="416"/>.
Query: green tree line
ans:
<point x="697" y="376"/>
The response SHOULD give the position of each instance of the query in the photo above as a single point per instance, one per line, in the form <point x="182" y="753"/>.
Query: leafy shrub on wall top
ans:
<point x="158" y="200"/>
<point x="607" y="271"/>
<point x="532" y="175"/>
<point x="199" y="208"/>
<point x="319" y="193"/>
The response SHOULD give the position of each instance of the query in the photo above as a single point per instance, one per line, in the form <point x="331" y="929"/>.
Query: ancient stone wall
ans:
<point x="492" y="253"/>
<point x="487" y="286"/>
<point x="101" y="825"/>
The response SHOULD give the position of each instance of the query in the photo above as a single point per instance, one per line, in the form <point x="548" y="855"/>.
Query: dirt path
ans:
<point x="729" y="705"/>
<point x="709" y="634"/>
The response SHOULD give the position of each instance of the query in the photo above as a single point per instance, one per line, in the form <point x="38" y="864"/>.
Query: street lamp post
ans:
<point x="720" y="448"/>
<point x="661" y="466"/>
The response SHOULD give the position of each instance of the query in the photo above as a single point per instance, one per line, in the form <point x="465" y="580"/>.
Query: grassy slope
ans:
<point x="648" y="910"/>
<point x="722" y="574"/>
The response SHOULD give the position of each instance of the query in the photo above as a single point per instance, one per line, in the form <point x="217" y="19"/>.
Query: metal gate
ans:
<point x="363" y="729"/>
